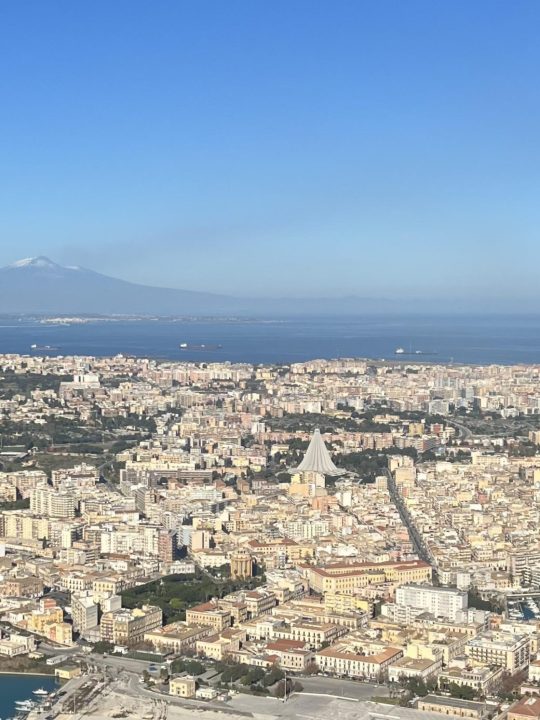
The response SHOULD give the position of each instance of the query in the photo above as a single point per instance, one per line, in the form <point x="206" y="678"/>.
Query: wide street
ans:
<point x="118" y="663"/>
<point x="343" y="688"/>
<point x="98" y="696"/>
<point x="313" y="704"/>
<point x="318" y="691"/>
<point x="313" y="684"/>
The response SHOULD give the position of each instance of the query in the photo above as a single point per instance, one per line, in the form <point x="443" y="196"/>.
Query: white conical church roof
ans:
<point x="317" y="458"/>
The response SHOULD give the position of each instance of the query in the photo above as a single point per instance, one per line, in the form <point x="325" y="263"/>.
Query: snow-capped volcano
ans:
<point x="36" y="262"/>
<point x="40" y="285"/>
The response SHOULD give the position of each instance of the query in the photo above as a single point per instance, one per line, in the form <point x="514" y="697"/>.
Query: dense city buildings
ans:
<point x="377" y="521"/>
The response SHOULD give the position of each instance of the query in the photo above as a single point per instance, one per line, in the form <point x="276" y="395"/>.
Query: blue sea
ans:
<point x="479" y="340"/>
<point x="20" y="687"/>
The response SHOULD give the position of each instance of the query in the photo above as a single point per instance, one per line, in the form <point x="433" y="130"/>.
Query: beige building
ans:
<point x="292" y="654"/>
<point x="412" y="667"/>
<point x="534" y="671"/>
<point x="339" y="602"/>
<point x="68" y="672"/>
<point x="259" y="602"/>
<point x="209" y="614"/>
<point x="342" y="661"/>
<point x="288" y="550"/>
<point x="184" y="687"/>
<point x="483" y="679"/>
<point x="313" y="634"/>
<point x="177" y="637"/>
<point x="348" y="577"/>
<point x="222" y="644"/>
<point x="24" y="586"/>
<point x="509" y="651"/>
<point x="84" y="612"/>
<point x="16" y="644"/>
<point x="129" y="627"/>
<point x="453" y="706"/>
<point x="110" y="585"/>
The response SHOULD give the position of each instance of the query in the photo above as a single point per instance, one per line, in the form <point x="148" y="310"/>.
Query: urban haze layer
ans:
<point x="324" y="539"/>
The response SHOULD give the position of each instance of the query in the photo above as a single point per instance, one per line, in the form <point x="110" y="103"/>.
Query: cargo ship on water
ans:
<point x="408" y="353"/>
<point x="203" y="347"/>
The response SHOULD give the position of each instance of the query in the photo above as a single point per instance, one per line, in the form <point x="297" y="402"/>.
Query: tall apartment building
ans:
<point x="84" y="612"/>
<point x="80" y="476"/>
<point x="18" y="524"/>
<point x="48" y="503"/>
<point x="166" y="545"/>
<point x="442" y="602"/>
<point x="25" y="480"/>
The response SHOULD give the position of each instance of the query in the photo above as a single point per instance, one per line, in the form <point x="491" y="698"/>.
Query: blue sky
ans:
<point x="291" y="147"/>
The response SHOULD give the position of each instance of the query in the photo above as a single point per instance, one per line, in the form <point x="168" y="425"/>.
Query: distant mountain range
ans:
<point x="39" y="285"/>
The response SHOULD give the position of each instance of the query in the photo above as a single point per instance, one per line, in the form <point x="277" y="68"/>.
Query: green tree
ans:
<point x="275" y="675"/>
<point x="103" y="647"/>
<point x="254" y="675"/>
<point x="287" y="686"/>
<point x="464" y="692"/>
<point x="194" y="667"/>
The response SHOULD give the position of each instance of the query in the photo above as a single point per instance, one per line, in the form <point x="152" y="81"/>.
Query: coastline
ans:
<point x="16" y="687"/>
<point x="27" y="674"/>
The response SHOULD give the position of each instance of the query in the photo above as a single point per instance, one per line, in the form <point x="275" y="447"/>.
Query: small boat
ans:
<point x="25" y="704"/>
<point x="202" y="347"/>
<point x="41" y="692"/>
<point x="402" y="351"/>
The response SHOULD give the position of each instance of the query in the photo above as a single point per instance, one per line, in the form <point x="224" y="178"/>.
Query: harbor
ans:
<point x="22" y="694"/>
<point x="522" y="607"/>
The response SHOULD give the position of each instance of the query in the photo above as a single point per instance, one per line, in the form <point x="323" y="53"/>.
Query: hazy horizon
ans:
<point x="375" y="150"/>
<point x="37" y="278"/>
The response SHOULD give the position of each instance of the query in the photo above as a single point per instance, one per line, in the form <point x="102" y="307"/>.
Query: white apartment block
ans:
<point x="49" y="503"/>
<point x="447" y="603"/>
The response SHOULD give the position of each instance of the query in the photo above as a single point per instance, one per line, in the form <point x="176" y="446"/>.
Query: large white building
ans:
<point x="447" y="603"/>
<point x="50" y="503"/>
